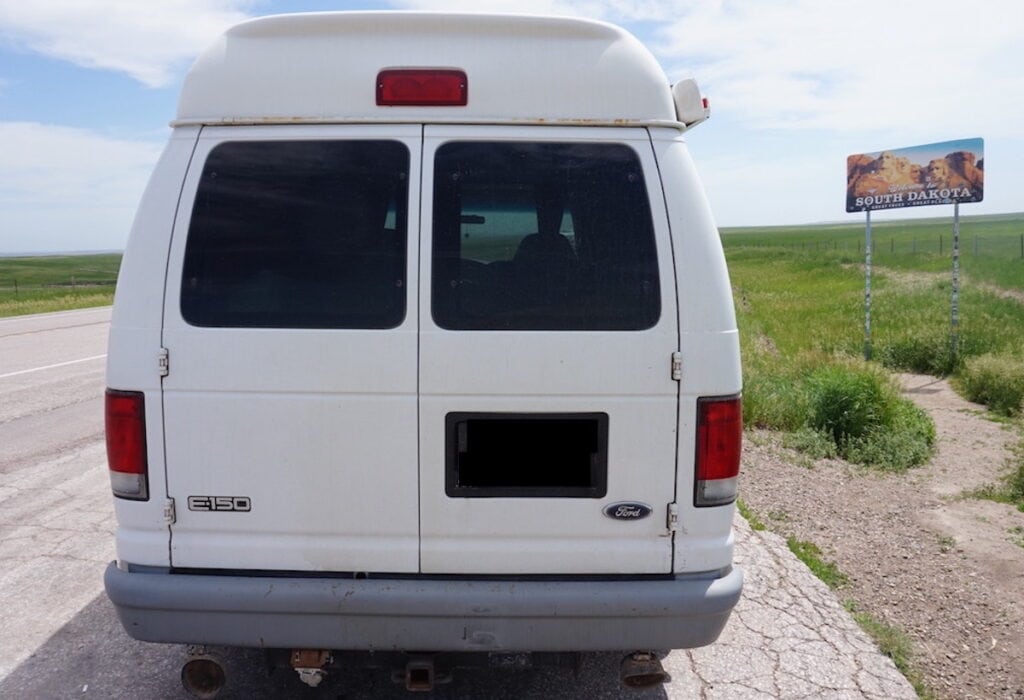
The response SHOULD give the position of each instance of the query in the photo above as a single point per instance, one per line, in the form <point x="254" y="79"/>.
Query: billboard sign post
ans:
<point x="949" y="172"/>
<point x="867" y="286"/>
<point x="954" y="313"/>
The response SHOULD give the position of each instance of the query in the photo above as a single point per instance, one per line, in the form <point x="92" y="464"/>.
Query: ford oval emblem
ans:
<point x="627" y="510"/>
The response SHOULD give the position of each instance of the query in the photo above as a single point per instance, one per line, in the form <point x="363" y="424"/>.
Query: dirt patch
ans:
<point x="948" y="571"/>
<point x="914" y="280"/>
<point x="765" y="346"/>
<point x="1016" y="295"/>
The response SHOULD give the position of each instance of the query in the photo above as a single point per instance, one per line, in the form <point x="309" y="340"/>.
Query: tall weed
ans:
<point x="907" y="440"/>
<point x="846" y="402"/>
<point x="925" y="354"/>
<point x="870" y="423"/>
<point x="774" y="400"/>
<point x="995" y="380"/>
<point x="838" y="407"/>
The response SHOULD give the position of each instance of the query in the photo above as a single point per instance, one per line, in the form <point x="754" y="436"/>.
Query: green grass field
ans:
<point x="802" y="289"/>
<point x="32" y="285"/>
<point x="991" y="247"/>
<point x="799" y="295"/>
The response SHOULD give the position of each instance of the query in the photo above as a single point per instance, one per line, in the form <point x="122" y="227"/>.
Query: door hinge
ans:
<point x="163" y="362"/>
<point x="677" y="366"/>
<point x="673" y="518"/>
<point x="169" y="513"/>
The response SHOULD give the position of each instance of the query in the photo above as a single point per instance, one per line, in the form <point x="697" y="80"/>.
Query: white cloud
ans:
<point x="941" y="67"/>
<point x="540" y="7"/>
<point x="146" y="40"/>
<point x="68" y="189"/>
<point x="938" y="68"/>
<point x="827" y="78"/>
<point x="797" y="85"/>
<point x="746" y="191"/>
<point x="609" y="10"/>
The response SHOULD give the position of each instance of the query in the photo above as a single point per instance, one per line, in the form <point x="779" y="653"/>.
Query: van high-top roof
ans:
<point x="324" y="68"/>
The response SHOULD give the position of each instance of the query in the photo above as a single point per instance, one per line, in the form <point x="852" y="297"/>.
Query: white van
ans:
<point x="424" y="340"/>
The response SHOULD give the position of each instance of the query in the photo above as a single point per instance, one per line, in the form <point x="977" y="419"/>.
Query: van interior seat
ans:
<point x="544" y="265"/>
<point x="543" y="269"/>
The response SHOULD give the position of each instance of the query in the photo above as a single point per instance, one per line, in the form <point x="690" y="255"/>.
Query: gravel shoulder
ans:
<point x="947" y="570"/>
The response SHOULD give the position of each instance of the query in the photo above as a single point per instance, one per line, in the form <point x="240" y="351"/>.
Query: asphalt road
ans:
<point x="788" y="638"/>
<point x="51" y="379"/>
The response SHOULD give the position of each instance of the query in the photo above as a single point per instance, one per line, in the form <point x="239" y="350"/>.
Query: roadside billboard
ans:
<point x="934" y="173"/>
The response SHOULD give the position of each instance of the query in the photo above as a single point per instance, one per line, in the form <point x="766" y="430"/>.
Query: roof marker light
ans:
<point x="417" y="87"/>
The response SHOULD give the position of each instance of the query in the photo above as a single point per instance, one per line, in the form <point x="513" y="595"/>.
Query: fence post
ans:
<point x="940" y="244"/>
<point x="15" y="287"/>
<point x="892" y="245"/>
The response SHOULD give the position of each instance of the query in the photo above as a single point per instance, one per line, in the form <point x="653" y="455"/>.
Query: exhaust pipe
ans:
<point x="419" y="675"/>
<point x="203" y="673"/>
<point x="642" y="669"/>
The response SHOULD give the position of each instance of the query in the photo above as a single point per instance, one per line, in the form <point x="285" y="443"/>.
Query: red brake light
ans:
<point x="719" y="441"/>
<point x="126" y="443"/>
<point x="422" y="87"/>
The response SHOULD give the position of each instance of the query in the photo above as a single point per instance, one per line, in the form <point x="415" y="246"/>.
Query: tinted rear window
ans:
<point x="299" y="234"/>
<point x="542" y="236"/>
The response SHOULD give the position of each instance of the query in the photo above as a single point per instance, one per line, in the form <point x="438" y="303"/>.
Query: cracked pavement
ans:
<point x="788" y="638"/>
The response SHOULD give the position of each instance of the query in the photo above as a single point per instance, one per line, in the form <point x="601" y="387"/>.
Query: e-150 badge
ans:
<point x="234" y="504"/>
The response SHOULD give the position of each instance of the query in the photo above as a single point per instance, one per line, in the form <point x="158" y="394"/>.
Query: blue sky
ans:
<point x="87" y="88"/>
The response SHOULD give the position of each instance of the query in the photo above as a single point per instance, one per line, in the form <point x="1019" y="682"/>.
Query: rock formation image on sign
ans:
<point x="888" y="181"/>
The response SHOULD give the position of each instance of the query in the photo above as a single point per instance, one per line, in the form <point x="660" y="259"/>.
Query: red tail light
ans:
<point x="719" y="440"/>
<point x="126" y="444"/>
<point x="419" y="87"/>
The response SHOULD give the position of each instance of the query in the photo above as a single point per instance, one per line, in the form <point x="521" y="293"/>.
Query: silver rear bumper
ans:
<point x="423" y="614"/>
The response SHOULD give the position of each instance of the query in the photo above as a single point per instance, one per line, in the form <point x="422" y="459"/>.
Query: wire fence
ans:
<point x="16" y="286"/>
<point x="1006" y="247"/>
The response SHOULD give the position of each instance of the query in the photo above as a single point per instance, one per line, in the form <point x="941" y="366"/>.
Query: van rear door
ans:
<point x="547" y="425"/>
<point x="290" y="402"/>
